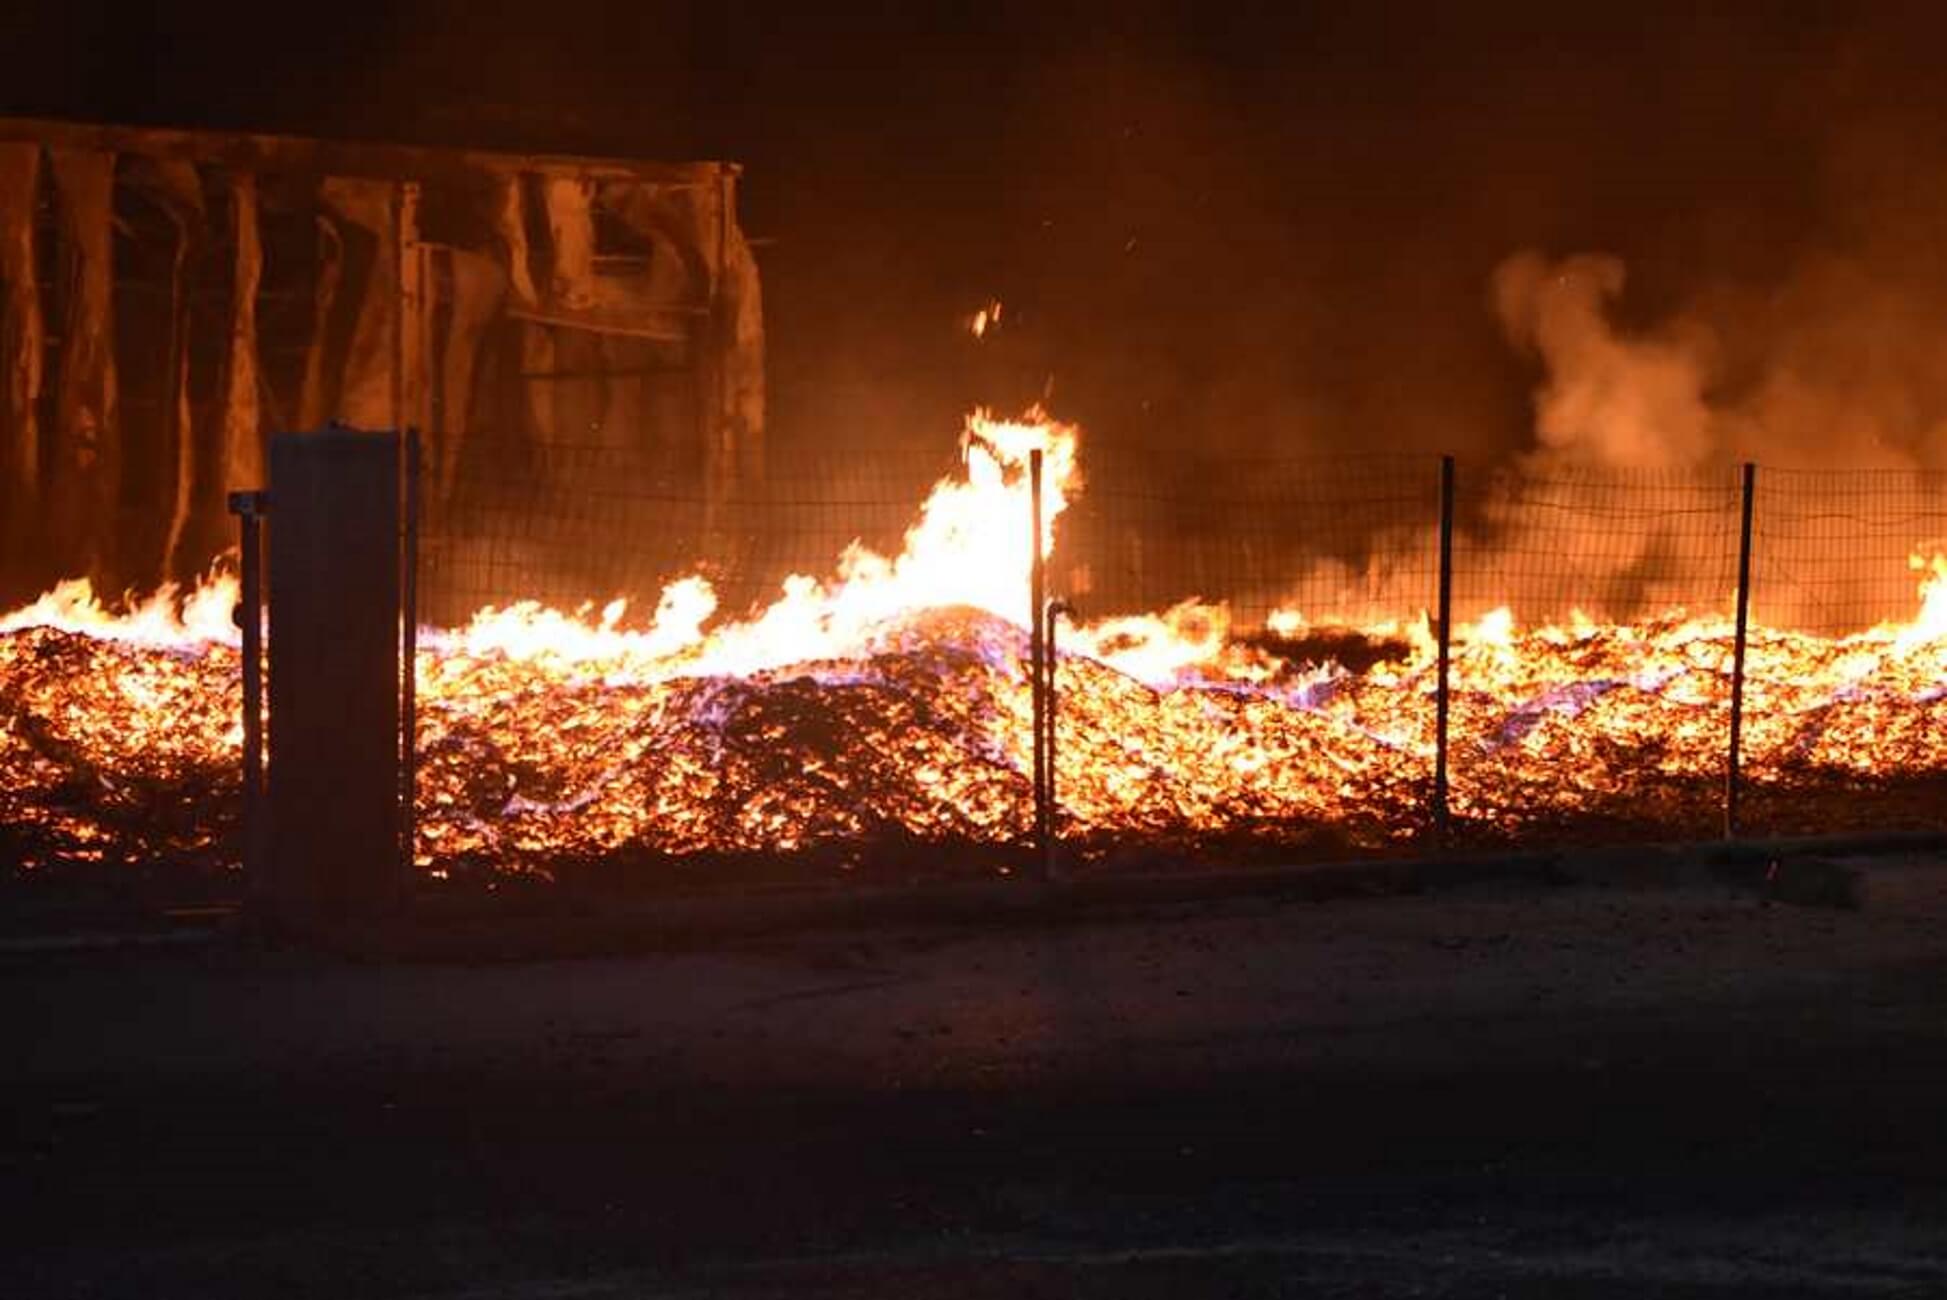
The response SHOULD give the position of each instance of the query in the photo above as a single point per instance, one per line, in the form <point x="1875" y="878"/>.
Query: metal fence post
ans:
<point x="1733" y="772"/>
<point x="1443" y="687"/>
<point x="249" y="508"/>
<point x="409" y="386"/>
<point x="1049" y="704"/>
<point x="1037" y="660"/>
<point x="409" y="650"/>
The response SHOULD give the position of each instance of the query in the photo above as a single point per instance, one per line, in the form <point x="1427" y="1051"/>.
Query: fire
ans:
<point x="987" y="318"/>
<point x="969" y="549"/>
<point x="888" y="702"/>
<point x="170" y="617"/>
<point x="1930" y="626"/>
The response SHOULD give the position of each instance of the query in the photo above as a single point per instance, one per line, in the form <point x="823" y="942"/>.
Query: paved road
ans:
<point x="1580" y="1091"/>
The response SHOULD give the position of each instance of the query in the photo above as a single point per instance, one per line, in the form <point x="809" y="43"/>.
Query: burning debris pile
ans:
<point x="120" y="734"/>
<point x="890" y="704"/>
<point x="924" y="737"/>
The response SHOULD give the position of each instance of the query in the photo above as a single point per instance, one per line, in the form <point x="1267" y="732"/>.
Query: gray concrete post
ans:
<point x="334" y="662"/>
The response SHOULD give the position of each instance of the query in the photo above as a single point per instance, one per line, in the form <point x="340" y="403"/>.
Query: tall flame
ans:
<point x="970" y="547"/>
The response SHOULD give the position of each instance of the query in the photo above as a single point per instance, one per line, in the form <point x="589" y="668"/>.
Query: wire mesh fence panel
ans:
<point x="819" y="669"/>
<point x="568" y="524"/>
<point x="1845" y="727"/>
<point x="1249" y="670"/>
<point x="1593" y="653"/>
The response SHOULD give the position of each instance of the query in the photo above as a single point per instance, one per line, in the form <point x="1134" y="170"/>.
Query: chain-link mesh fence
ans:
<point x="816" y="679"/>
<point x="1251" y="672"/>
<point x="568" y="523"/>
<point x="1591" y="674"/>
<point x="1845" y="727"/>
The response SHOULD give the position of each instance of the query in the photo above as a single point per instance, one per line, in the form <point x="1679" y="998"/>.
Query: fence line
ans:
<point x="1733" y="770"/>
<point x="1634" y="724"/>
<point x="1378" y="697"/>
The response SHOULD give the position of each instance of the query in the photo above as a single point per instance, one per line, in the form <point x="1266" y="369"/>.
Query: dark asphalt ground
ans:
<point x="1574" y="1091"/>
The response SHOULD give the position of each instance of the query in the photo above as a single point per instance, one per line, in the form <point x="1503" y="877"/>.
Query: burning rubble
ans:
<point x="890" y="703"/>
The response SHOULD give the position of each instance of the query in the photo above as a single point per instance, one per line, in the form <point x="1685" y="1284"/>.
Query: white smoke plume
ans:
<point x="1609" y="401"/>
<point x="1832" y="371"/>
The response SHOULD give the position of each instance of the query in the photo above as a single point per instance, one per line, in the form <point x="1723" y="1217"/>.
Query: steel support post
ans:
<point x="1733" y="768"/>
<point x="1443" y="686"/>
<point x="408" y="647"/>
<point x="1037" y="659"/>
<point x="249" y="509"/>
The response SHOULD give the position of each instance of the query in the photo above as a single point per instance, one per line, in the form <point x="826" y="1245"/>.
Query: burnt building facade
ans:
<point x="556" y="328"/>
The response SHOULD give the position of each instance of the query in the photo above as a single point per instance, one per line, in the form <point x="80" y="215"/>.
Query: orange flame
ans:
<point x="987" y="318"/>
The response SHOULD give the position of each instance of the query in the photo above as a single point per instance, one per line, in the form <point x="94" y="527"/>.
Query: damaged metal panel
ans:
<point x="476" y="288"/>
<point x="365" y="219"/>
<point x="84" y="454"/>
<point x="243" y="435"/>
<point x="22" y="340"/>
<point x="738" y="354"/>
<point x="317" y="394"/>
<point x="176" y="188"/>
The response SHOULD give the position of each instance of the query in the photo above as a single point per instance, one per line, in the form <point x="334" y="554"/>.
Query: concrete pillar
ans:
<point x="334" y="662"/>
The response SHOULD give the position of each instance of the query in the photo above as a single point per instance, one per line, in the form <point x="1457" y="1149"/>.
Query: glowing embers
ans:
<point x="522" y="764"/>
<point x="927" y="738"/>
<point x="116" y="748"/>
<point x="121" y="750"/>
<point x="887" y="705"/>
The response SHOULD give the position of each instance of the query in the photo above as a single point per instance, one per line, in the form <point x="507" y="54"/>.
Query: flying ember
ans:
<point x="889" y="702"/>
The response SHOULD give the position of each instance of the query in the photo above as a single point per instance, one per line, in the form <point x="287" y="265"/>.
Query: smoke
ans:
<point x="1619" y="496"/>
<point x="1834" y="367"/>
<point x="1609" y="401"/>
<point x="1838" y="366"/>
<point x="1231" y="234"/>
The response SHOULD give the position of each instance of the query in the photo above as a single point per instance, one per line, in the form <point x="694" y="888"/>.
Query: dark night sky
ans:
<point x="1213" y="227"/>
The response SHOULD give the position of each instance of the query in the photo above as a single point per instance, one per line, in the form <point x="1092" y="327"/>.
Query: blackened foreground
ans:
<point x="1589" y="1091"/>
